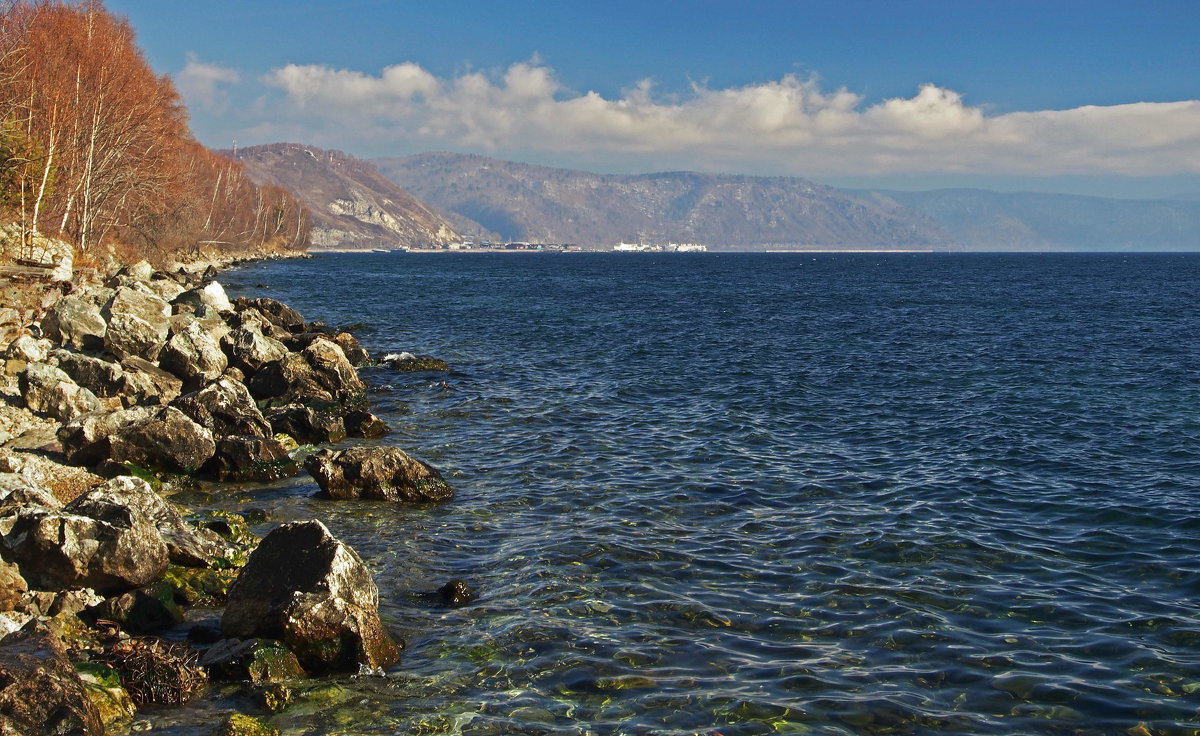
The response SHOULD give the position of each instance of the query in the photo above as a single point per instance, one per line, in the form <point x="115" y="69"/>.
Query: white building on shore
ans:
<point x="659" y="248"/>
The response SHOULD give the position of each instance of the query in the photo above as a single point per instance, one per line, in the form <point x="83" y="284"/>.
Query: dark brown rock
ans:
<point x="305" y="588"/>
<point x="40" y="693"/>
<point x="379" y="473"/>
<point x="307" y="425"/>
<point x="146" y="383"/>
<point x="365" y="424"/>
<point x="277" y="312"/>
<point x="250" y="459"/>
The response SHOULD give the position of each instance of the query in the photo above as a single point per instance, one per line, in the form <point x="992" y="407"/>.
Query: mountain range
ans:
<point x="352" y="206"/>
<point x="433" y="199"/>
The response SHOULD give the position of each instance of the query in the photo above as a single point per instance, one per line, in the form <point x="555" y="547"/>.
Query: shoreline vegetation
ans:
<point x="129" y="374"/>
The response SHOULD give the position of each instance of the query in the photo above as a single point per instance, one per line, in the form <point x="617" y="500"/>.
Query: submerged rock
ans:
<point x="307" y="589"/>
<point x="256" y="660"/>
<point x="379" y="473"/>
<point x="410" y="363"/>
<point x="40" y="692"/>
<point x="250" y="459"/>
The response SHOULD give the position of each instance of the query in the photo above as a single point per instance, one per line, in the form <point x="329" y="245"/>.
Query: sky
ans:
<point x="1097" y="97"/>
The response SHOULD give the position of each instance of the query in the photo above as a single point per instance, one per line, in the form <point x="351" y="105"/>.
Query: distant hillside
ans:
<point x="352" y="205"/>
<point x="536" y="203"/>
<point x="986" y="220"/>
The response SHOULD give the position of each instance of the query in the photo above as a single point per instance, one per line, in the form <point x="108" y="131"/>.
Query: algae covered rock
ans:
<point x="256" y="660"/>
<point x="238" y="724"/>
<point x="378" y="473"/>
<point x="305" y="588"/>
<point x="40" y="692"/>
<point x="306" y="424"/>
<point x="410" y="363"/>
<point x="250" y="459"/>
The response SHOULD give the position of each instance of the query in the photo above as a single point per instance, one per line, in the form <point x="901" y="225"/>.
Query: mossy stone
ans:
<point x="238" y="724"/>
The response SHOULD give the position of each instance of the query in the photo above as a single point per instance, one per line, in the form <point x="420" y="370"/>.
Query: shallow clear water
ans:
<point x="753" y="494"/>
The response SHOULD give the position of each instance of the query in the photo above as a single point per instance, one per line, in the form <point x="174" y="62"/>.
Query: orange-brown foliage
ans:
<point x="99" y="148"/>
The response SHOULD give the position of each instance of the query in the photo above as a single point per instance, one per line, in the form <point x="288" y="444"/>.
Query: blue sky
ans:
<point x="1054" y="95"/>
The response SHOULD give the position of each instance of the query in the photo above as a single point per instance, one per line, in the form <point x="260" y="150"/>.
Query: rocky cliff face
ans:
<point x="353" y="207"/>
<point x="536" y="203"/>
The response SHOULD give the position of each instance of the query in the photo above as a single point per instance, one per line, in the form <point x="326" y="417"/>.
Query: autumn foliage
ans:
<point x="95" y="147"/>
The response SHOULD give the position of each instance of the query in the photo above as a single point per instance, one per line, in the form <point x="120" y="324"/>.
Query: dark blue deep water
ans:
<point x="775" y="493"/>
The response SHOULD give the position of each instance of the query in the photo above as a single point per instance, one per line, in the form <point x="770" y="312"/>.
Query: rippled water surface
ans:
<point x="756" y="494"/>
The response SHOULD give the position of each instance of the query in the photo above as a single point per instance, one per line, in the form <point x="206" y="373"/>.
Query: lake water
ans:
<point x="774" y="493"/>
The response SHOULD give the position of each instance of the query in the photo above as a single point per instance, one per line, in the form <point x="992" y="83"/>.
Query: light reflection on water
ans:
<point x="776" y="494"/>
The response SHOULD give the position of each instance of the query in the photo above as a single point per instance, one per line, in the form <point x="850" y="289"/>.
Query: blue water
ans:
<point x="777" y="493"/>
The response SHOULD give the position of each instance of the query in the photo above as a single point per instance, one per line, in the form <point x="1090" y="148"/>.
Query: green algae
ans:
<point x="238" y="724"/>
<point x="198" y="586"/>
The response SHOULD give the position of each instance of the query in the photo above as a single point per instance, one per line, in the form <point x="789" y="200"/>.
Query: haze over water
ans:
<point x="755" y="493"/>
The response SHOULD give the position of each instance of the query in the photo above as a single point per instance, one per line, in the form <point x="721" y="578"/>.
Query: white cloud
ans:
<point x="199" y="83"/>
<point x="786" y="126"/>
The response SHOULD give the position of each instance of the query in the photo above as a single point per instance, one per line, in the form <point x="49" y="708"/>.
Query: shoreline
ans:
<point x="132" y="385"/>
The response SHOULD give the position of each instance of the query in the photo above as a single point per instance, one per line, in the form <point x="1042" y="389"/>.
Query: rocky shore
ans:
<point x="124" y="387"/>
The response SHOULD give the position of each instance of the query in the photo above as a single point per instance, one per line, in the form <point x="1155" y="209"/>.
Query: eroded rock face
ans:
<point x="138" y="324"/>
<point x="49" y="390"/>
<point x="40" y="693"/>
<point x="353" y="350"/>
<point x="380" y="473"/>
<point x="307" y="589"/>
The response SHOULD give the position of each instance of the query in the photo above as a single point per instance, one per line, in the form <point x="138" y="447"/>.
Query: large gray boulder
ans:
<point x="103" y="378"/>
<point x="125" y="497"/>
<point x="211" y="296"/>
<point x="225" y="407"/>
<point x="194" y="355"/>
<point x="58" y="550"/>
<point x="40" y="692"/>
<point x="146" y="383"/>
<point x="307" y="589"/>
<point x="318" y="375"/>
<point x="49" y="390"/>
<point x="138" y="323"/>
<point x="156" y="438"/>
<point x="379" y="473"/>
<point x="75" y="321"/>
<point x="249" y="349"/>
<point x="276" y="312"/>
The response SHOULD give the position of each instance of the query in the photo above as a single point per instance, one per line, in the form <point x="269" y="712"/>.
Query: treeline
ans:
<point x="95" y="147"/>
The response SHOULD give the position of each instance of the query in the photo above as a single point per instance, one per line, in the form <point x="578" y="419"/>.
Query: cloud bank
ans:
<point x="790" y="126"/>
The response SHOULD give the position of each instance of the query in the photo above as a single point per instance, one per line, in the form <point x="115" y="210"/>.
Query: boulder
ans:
<point x="146" y="383"/>
<point x="378" y="473"/>
<point x="75" y="321"/>
<point x="250" y="460"/>
<point x="333" y="370"/>
<point x="211" y="295"/>
<point x="28" y="349"/>
<point x="40" y="692"/>
<point x="12" y="586"/>
<point x="194" y="355"/>
<point x="304" y="587"/>
<point x="155" y="438"/>
<point x="249" y="349"/>
<point x="307" y="425"/>
<point x="225" y="407"/>
<point x="349" y="345"/>
<point x="456" y="593"/>
<point x="49" y="390"/>
<point x="365" y="424"/>
<point x="103" y="378"/>
<point x="138" y="324"/>
<point x="276" y="312"/>
<point x="57" y="550"/>
<point x="125" y="497"/>
<point x="289" y="380"/>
